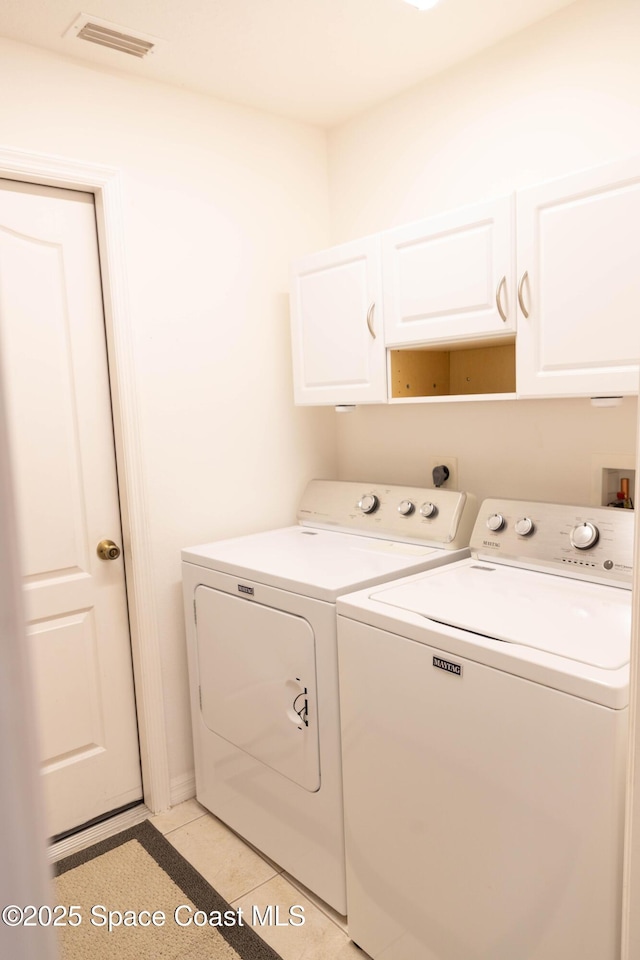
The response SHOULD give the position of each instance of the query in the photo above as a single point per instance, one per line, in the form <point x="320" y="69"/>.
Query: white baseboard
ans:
<point x="182" y="788"/>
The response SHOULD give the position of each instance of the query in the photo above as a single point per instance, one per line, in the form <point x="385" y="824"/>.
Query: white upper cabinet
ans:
<point x="336" y="323"/>
<point x="451" y="277"/>
<point x="579" y="284"/>
<point x="561" y="261"/>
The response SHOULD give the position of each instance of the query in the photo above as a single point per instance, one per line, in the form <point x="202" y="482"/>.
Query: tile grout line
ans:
<point x="253" y="889"/>
<point x="180" y="825"/>
<point x="287" y="879"/>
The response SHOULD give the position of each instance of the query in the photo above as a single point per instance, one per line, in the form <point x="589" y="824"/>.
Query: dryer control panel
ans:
<point x="424" y="515"/>
<point x="587" y="543"/>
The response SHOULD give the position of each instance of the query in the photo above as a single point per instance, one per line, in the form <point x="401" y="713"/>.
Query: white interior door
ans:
<point x="52" y="347"/>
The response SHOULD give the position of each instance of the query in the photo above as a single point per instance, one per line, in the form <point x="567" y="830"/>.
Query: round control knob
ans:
<point x="495" y="522"/>
<point x="369" y="503"/>
<point x="406" y="508"/>
<point x="428" y="510"/>
<point x="524" y="527"/>
<point x="585" y="535"/>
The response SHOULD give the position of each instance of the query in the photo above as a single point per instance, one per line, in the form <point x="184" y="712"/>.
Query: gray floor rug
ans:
<point x="135" y="875"/>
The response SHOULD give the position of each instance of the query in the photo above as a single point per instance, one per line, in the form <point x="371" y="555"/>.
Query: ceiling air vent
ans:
<point x="112" y="35"/>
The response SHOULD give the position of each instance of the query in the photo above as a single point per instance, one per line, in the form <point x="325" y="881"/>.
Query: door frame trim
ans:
<point x="105" y="184"/>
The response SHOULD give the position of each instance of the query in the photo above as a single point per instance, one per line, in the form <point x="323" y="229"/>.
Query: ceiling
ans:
<point x="320" y="61"/>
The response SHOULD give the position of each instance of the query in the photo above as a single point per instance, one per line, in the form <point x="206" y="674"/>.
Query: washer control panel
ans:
<point x="422" y="515"/>
<point x="587" y="543"/>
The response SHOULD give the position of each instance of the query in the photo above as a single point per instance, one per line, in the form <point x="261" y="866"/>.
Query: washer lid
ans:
<point x="586" y="622"/>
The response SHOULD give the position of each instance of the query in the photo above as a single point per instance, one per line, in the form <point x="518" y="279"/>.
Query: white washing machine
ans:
<point x="261" y="633"/>
<point x="484" y="728"/>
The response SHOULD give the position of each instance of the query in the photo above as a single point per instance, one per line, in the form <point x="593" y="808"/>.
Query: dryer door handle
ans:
<point x="300" y="706"/>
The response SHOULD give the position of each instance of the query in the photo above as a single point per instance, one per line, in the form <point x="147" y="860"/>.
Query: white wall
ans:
<point x="217" y="200"/>
<point x="562" y="95"/>
<point x="531" y="449"/>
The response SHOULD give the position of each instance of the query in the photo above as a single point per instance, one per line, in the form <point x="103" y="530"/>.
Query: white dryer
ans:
<point x="261" y="634"/>
<point x="484" y="716"/>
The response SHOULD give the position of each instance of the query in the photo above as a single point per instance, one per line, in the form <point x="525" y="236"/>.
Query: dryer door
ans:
<point x="258" y="682"/>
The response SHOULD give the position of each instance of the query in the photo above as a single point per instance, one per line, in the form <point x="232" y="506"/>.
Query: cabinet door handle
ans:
<point x="502" y="284"/>
<point x="370" y="319"/>
<point x="520" y="290"/>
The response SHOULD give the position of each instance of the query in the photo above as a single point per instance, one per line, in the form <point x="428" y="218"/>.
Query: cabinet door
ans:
<point x="579" y="282"/>
<point x="451" y="277"/>
<point x="336" y="324"/>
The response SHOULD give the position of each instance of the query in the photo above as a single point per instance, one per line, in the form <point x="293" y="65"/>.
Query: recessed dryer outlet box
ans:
<point x="451" y="463"/>
<point x="611" y="483"/>
<point x="608" y="472"/>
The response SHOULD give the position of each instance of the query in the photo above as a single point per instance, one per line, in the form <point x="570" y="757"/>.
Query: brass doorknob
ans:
<point x="108" y="550"/>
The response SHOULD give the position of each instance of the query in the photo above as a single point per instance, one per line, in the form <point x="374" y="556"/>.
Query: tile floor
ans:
<point x="245" y="878"/>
